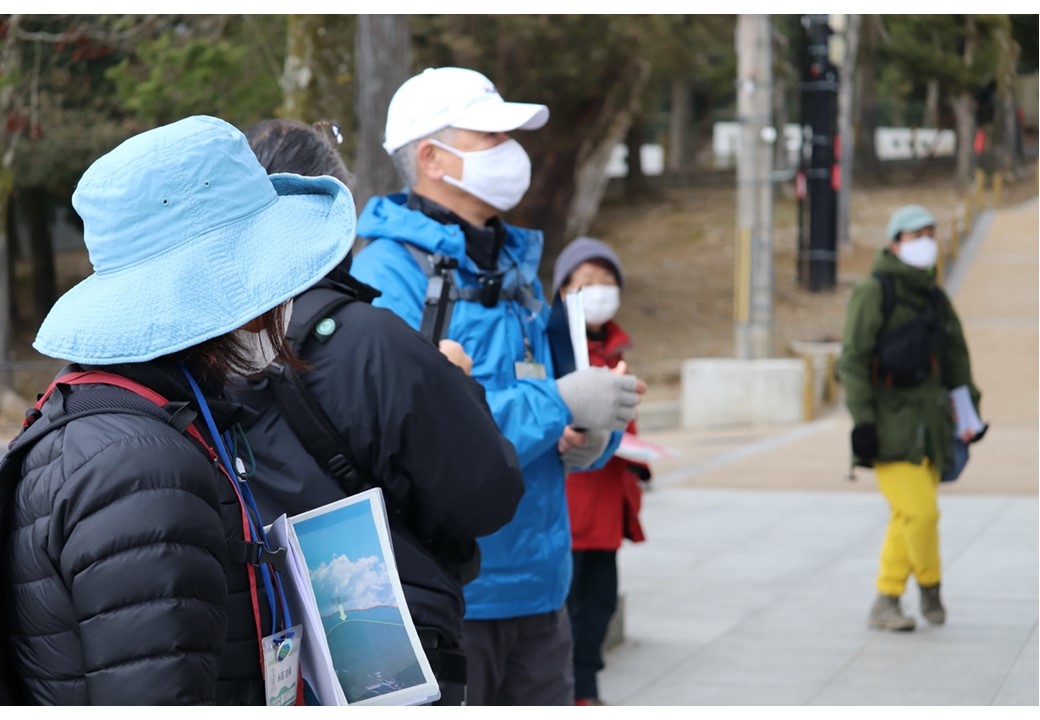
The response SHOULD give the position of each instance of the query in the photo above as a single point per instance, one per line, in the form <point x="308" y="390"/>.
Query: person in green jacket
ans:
<point x="903" y="424"/>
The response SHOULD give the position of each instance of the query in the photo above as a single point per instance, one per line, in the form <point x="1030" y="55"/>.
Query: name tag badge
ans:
<point x="282" y="665"/>
<point x="529" y="370"/>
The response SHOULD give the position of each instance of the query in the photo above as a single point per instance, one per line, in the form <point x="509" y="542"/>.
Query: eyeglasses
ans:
<point x="331" y="130"/>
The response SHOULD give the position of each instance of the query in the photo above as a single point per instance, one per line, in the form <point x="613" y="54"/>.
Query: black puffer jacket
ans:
<point x="117" y="585"/>
<point x="417" y="427"/>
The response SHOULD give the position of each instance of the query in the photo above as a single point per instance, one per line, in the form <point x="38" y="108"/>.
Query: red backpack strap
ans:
<point x="99" y="377"/>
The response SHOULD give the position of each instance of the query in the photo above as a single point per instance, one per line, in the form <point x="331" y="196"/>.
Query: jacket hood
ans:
<point x="390" y="218"/>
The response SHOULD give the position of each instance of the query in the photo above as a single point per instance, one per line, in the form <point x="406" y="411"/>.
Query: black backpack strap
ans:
<point x="311" y="309"/>
<point x="888" y="295"/>
<point x="441" y="292"/>
<point x="313" y="428"/>
<point x="312" y="320"/>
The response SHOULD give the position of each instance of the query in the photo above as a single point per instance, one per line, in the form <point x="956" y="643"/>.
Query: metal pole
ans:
<point x="754" y="287"/>
<point x="819" y="91"/>
<point x="845" y="115"/>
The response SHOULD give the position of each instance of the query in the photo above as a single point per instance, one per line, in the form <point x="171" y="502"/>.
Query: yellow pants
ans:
<point x="912" y="540"/>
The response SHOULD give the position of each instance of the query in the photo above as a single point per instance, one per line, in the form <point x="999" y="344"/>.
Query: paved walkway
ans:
<point x="754" y="585"/>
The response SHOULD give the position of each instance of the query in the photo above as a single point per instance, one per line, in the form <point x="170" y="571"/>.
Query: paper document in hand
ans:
<point x="638" y="449"/>
<point x="316" y="666"/>
<point x="964" y="411"/>
<point x="576" y="323"/>
<point x="354" y="609"/>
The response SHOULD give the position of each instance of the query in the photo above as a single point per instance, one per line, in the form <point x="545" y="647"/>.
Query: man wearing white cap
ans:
<point x="447" y="131"/>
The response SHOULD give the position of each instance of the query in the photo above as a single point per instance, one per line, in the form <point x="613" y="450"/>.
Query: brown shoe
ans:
<point x="886" y="614"/>
<point x="931" y="605"/>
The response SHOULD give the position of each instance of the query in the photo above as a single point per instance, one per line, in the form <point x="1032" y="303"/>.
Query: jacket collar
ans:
<point x="482" y="243"/>
<point x="390" y="218"/>
<point x="909" y="277"/>
<point x="614" y="340"/>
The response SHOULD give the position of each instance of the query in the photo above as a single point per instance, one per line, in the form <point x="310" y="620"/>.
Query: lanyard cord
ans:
<point x="247" y="493"/>
<point x="245" y="496"/>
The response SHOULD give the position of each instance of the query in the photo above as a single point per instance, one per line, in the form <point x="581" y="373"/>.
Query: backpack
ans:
<point x="442" y="291"/>
<point x="115" y="393"/>
<point x="311" y="321"/>
<point x="910" y="353"/>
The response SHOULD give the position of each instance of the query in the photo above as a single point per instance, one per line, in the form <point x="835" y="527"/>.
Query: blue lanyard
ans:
<point x="245" y="495"/>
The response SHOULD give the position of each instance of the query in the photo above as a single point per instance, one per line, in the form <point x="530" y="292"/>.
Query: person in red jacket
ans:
<point x="603" y="504"/>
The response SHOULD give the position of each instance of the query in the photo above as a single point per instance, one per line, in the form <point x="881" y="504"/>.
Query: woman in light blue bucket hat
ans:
<point x="134" y="569"/>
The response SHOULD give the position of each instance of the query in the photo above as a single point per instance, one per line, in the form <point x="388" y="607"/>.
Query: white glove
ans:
<point x="578" y="458"/>
<point x="599" y="399"/>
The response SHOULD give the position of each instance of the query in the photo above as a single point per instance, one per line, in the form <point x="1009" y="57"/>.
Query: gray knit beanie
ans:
<point x="583" y="249"/>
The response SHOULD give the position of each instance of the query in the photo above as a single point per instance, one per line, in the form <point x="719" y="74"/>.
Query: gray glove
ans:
<point x="581" y="457"/>
<point x="598" y="399"/>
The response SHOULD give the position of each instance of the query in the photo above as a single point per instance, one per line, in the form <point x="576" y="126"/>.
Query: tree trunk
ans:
<point x="1008" y="159"/>
<point x="383" y="58"/>
<point x="931" y="105"/>
<point x="298" y="73"/>
<point x="964" y="112"/>
<point x="781" y="163"/>
<point x="9" y="67"/>
<point x="568" y="179"/>
<point x="964" y="117"/>
<point x="635" y="178"/>
<point x="316" y="79"/>
<point x="846" y="98"/>
<point x="866" y="159"/>
<point x="590" y="176"/>
<point x="679" y="125"/>
<point x="44" y="280"/>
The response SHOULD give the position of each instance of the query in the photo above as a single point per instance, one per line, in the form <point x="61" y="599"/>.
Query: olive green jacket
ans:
<point x="913" y="423"/>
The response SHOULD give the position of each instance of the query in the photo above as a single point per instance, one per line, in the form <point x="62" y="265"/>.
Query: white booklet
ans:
<point x="576" y="325"/>
<point x="360" y="646"/>
<point x="964" y="414"/>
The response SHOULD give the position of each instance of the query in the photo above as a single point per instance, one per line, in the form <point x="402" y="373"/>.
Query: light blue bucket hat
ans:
<point x="909" y="218"/>
<point x="190" y="239"/>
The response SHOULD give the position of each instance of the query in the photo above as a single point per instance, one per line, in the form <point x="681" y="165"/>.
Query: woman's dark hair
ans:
<point x="295" y="147"/>
<point x="214" y="360"/>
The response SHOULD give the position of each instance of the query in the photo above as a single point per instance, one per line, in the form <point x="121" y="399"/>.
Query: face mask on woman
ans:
<point x="601" y="303"/>
<point x="499" y="175"/>
<point x="919" y="252"/>
<point x="259" y="349"/>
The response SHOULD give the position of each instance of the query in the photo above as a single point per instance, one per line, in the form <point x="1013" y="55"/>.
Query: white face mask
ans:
<point x="600" y="302"/>
<point x="499" y="176"/>
<point x="920" y="252"/>
<point x="259" y="350"/>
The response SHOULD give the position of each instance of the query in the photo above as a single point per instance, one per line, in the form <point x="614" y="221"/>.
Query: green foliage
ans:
<point x="560" y="60"/>
<point x="931" y="47"/>
<point x="62" y="106"/>
<point x="1024" y="30"/>
<point x="230" y="71"/>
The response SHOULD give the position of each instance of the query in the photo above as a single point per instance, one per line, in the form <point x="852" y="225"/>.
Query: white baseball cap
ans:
<point x="455" y="97"/>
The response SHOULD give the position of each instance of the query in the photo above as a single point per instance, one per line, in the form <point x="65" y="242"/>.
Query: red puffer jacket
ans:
<point x="604" y="504"/>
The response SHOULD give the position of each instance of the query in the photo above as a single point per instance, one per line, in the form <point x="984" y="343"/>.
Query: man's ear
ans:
<point x="426" y="161"/>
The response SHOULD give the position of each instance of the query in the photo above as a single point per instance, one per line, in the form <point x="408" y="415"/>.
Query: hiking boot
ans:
<point x="886" y="614"/>
<point x="931" y="605"/>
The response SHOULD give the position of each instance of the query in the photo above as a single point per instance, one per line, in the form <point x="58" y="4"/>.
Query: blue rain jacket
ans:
<point x="525" y="565"/>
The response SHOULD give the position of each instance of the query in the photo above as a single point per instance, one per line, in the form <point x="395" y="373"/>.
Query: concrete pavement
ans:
<point x="754" y="584"/>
